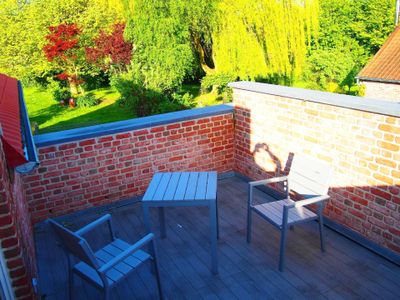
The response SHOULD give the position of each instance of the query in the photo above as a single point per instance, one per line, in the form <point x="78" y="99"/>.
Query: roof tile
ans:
<point x="385" y="65"/>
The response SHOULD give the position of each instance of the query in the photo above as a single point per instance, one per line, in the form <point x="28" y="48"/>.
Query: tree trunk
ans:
<point x="198" y="46"/>
<point x="73" y="87"/>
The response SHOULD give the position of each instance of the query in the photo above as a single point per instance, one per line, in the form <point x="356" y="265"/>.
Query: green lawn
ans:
<point x="50" y="116"/>
<point x="201" y="100"/>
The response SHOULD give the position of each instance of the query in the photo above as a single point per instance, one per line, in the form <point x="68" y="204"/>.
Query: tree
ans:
<point x="263" y="39"/>
<point x="163" y="55"/>
<point x="65" y="52"/>
<point x="250" y="39"/>
<point x="24" y="25"/>
<point x="111" y="52"/>
<point x="350" y="33"/>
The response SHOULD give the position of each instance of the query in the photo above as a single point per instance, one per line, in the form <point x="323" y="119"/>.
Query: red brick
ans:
<point x="188" y="123"/>
<point x="173" y="126"/>
<point x="67" y="146"/>
<point x="380" y="193"/>
<point x="105" y="139"/>
<point x="157" y="129"/>
<point x="87" y="142"/>
<point x="9" y="242"/>
<point x="5" y="220"/>
<point x="47" y="150"/>
<point x="203" y="121"/>
<point x="141" y="132"/>
<point x="123" y="135"/>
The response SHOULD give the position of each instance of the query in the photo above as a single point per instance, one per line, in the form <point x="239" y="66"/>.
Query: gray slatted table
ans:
<point x="184" y="189"/>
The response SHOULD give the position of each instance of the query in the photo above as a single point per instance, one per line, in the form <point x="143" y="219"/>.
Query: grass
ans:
<point x="206" y="99"/>
<point x="50" y="116"/>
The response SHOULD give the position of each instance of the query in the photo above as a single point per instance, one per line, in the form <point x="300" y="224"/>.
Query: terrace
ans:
<point x="87" y="172"/>
<point x="346" y="270"/>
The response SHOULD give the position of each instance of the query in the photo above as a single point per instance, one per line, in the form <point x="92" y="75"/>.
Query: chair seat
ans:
<point x="120" y="270"/>
<point x="273" y="211"/>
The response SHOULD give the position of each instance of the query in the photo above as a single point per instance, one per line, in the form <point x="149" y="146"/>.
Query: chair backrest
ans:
<point x="75" y="244"/>
<point x="309" y="177"/>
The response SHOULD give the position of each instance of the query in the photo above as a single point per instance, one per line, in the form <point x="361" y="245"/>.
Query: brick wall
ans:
<point x="95" y="171"/>
<point x="16" y="234"/>
<point x="381" y="90"/>
<point x="362" y="147"/>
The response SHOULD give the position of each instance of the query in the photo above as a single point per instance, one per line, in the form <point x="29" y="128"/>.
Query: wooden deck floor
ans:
<point x="345" y="271"/>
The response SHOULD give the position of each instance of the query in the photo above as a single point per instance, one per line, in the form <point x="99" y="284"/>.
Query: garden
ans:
<point x="88" y="62"/>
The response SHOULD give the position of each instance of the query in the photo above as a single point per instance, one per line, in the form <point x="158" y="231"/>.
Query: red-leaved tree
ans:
<point x="111" y="52"/>
<point x="63" y="49"/>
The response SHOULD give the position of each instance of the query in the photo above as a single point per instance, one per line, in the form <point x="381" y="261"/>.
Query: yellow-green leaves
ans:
<point x="259" y="39"/>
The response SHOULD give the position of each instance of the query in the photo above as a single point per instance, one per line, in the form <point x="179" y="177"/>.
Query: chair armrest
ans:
<point x="262" y="182"/>
<point x="309" y="201"/>
<point x="266" y="181"/>
<point x="135" y="247"/>
<point x="91" y="226"/>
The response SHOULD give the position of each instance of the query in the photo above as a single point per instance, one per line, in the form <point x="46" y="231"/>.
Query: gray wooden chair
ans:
<point x="308" y="178"/>
<point x="109" y="265"/>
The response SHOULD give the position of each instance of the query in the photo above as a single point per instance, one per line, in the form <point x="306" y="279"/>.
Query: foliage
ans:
<point x="143" y="101"/>
<point x="329" y="67"/>
<point x="61" y="94"/>
<point x="64" y="51"/>
<point x="58" y="90"/>
<point x="350" y="33"/>
<point x="218" y="81"/>
<point x="87" y="100"/>
<point x="263" y="38"/>
<point x="163" y="55"/>
<point x="24" y="25"/>
<point x="111" y="52"/>
<point x="221" y="36"/>
<point x="183" y="101"/>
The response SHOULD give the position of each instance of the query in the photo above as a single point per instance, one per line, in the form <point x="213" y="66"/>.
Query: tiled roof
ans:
<point x="10" y="120"/>
<point x="385" y="65"/>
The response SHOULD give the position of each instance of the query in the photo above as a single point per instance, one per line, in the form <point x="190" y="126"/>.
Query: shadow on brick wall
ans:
<point x="370" y="211"/>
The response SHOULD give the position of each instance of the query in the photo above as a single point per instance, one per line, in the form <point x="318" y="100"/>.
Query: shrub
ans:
<point x="217" y="81"/>
<point x="59" y="91"/>
<point x="134" y="96"/>
<point x="61" y="94"/>
<point x="87" y="100"/>
<point x="145" y="102"/>
<point x="185" y="101"/>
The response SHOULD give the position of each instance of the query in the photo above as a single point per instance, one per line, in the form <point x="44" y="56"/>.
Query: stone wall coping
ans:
<point x="76" y="134"/>
<point x="377" y="106"/>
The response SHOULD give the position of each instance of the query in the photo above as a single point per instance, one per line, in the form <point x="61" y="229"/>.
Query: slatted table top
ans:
<point x="178" y="186"/>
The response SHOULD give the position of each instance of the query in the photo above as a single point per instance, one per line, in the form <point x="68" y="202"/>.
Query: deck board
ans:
<point x="246" y="271"/>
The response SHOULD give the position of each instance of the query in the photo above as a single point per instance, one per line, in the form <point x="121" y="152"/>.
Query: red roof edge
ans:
<point x="10" y="121"/>
<point x="13" y="158"/>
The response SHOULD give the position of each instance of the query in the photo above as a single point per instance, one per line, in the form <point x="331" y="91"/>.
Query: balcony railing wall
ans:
<point x="102" y="164"/>
<point x="359" y="137"/>
<point x="16" y="234"/>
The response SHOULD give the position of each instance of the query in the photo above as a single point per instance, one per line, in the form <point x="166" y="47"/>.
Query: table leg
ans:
<point x="213" y="229"/>
<point x="146" y="217"/>
<point x="217" y="219"/>
<point x="161" y="216"/>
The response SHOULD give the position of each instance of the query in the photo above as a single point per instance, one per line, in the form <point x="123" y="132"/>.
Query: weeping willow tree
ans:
<point x="250" y="39"/>
<point x="263" y="39"/>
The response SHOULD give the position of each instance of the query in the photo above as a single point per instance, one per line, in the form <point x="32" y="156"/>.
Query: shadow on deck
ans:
<point x="346" y="270"/>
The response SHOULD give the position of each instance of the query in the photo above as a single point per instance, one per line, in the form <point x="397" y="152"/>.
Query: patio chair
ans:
<point x="308" y="178"/>
<point x="109" y="265"/>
